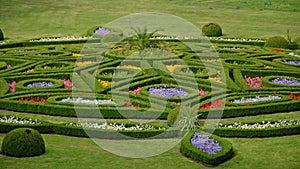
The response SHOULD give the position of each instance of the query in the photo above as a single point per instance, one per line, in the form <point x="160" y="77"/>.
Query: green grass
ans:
<point x="71" y="152"/>
<point x="21" y="20"/>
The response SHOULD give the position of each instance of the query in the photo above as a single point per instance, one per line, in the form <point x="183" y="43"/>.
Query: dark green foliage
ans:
<point x="277" y="42"/>
<point x="1" y="35"/>
<point x="212" y="29"/>
<point x="23" y="142"/>
<point x="189" y="150"/>
<point x="172" y="116"/>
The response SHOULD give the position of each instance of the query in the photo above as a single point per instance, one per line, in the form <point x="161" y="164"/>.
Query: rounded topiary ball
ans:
<point x="277" y="42"/>
<point x="212" y="29"/>
<point x="1" y="35"/>
<point x="23" y="142"/>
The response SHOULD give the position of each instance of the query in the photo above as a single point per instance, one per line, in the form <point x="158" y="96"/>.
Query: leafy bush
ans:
<point x="277" y="42"/>
<point x="212" y="29"/>
<point x="23" y="142"/>
<point x="1" y="35"/>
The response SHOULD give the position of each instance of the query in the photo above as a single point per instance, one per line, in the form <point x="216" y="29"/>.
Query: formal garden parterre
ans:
<point x="46" y="76"/>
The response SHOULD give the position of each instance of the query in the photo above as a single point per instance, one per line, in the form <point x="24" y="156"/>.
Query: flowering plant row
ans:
<point x="262" y="125"/>
<point x="33" y="99"/>
<point x="87" y="101"/>
<point x="114" y="126"/>
<point x="167" y="92"/>
<point x="40" y="84"/>
<point x="214" y="104"/>
<point x="286" y="81"/>
<point x="256" y="99"/>
<point x="15" y="120"/>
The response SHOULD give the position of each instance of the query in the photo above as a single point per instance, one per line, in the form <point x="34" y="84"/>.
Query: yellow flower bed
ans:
<point x="30" y="70"/>
<point x="171" y="68"/>
<point x="130" y="67"/>
<point x="76" y="54"/>
<point x="84" y="63"/>
<point x="104" y="83"/>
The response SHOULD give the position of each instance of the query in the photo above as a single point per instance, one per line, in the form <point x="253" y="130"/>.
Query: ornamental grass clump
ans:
<point x="23" y="142"/>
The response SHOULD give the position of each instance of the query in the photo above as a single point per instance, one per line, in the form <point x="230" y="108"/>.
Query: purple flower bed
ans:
<point x="102" y="31"/>
<point x="294" y="62"/>
<point x="286" y="81"/>
<point x="167" y="92"/>
<point x="206" y="144"/>
<point x="40" y="84"/>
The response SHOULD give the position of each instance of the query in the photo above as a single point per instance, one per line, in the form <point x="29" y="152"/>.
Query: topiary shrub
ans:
<point x="277" y="42"/>
<point x="1" y="35"/>
<point x="23" y="142"/>
<point x="212" y="29"/>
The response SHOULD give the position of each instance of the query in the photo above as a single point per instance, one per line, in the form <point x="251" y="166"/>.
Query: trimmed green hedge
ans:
<point x="250" y="133"/>
<point x="213" y="159"/>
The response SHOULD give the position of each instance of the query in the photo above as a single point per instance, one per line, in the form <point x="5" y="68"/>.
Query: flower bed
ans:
<point x="211" y="149"/>
<point x="15" y="120"/>
<point x="254" y="82"/>
<point x="256" y="99"/>
<point x="294" y="62"/>
<point x="286" y="81"/>
<point x="87" y="101"/>
<point x="40" y="84"/>
<point x="114" y="126"/>
<point x="262" y="125"/>
<point x="205" y="144"/>
<point x="167" y="92"/>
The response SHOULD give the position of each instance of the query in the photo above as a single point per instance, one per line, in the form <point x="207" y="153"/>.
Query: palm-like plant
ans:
<point x="142" y="40"/>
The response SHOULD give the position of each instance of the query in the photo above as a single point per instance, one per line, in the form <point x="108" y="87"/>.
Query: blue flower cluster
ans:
<point x="167" y="92"/>
<point x="40" y="84"/>
<point x="286" y="81"/>
<point x="102" y="31"/>
<point x="206" y="144"/>
<point x="294" y="62"/>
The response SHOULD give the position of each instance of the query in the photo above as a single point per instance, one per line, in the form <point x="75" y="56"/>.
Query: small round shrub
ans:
<point x="23" y="142"/>
<point x="212" y="29"/>
<point x="277" y="42"/>
<point x="1" y="35"/>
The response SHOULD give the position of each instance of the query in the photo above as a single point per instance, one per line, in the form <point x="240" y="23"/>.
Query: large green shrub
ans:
<point x="212" y="29"/>
<point x="1" y="35"/>
<point x="23" y="142"/>
<point x="277" y="42"/>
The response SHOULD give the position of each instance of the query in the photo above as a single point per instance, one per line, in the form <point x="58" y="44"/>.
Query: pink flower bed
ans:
<point x="254" y="82"/>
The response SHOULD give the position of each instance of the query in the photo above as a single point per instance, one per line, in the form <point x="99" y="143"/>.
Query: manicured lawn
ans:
<point x="72" y="152"/>
<point x="21" y="20"/>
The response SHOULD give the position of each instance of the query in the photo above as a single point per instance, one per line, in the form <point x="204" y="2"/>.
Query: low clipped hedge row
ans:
<point x="69" y="111"/>
<point x="213" y="159"/>
<point x="51" y="128"/>
<point x="250" y="133"/>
